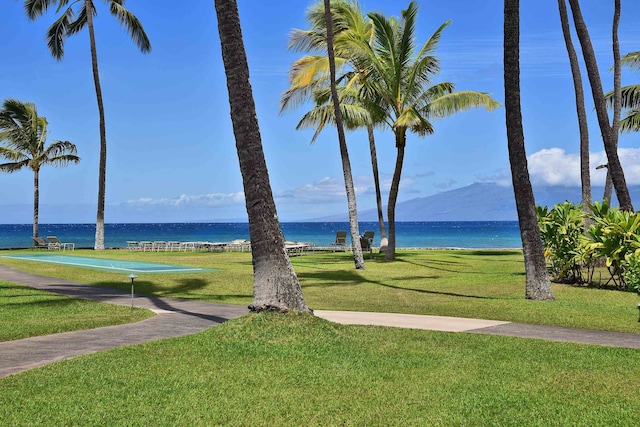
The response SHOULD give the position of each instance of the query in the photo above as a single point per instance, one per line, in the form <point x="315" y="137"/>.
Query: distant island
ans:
<point x="476" y="202"/>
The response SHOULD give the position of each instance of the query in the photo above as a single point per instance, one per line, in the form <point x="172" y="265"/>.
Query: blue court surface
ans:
<point x="108" y="264"/>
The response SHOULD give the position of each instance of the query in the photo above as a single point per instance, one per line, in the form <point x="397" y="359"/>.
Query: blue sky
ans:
<point x="171" y="151"/>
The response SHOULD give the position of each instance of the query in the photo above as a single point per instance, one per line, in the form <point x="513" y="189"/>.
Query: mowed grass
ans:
<point x="273" y="369"/>
<point x="462" y="283"/>
<point x="27" y="312"/>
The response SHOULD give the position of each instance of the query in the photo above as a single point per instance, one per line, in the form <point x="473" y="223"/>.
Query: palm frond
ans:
<point x="131" y="24"/>
<point x="81" y="21"/>
<point x="13" y="167"/>
<point x="37" y="8"/>
<point x="11" y="154"/>
<point x="631" y="60"/>
<point x="630" y="97"/>
<point x="455" y="102"/>
<point x="631" y="121"/>
<point x="57" y="33"/>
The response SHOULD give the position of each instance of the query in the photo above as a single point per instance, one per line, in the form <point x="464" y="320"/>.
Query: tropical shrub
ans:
<point x="615" y="236"/>
<point x="631" y="273"/>
<point x="562" y="231"/>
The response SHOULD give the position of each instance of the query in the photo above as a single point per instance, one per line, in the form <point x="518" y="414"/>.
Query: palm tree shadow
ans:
<point x="352" y="278"/>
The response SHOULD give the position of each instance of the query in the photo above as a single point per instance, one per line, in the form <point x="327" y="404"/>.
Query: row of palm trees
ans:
<point x="384" y="80"/>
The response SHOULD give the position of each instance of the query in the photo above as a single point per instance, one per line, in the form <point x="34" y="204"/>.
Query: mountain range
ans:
<point x="477" y="202"/>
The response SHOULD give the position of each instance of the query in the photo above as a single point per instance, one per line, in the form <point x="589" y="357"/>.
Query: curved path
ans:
<point x="182" y="317"/>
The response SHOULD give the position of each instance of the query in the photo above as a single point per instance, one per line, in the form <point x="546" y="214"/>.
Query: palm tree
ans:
<point x="275" y="284"/>
<point x="23" y="135"/>
<point x="406" y="97"/>
<point x="309" y="78"/>
<point x="69" y="23"/>
<point x="609" y="132"/>
<point x="344" y="153"/>
<point x="538" y="286"/>
<point x="585" y="175"/>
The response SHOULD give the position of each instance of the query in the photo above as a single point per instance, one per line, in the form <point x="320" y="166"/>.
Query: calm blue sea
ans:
<point x="408" y="234"/>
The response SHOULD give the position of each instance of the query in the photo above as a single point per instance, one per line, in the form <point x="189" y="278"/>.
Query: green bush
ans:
<point x="562" y="230"/>
<point x="615" y="237"/>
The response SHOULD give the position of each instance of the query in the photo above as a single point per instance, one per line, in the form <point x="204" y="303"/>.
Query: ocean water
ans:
<point x="465" y="234"/>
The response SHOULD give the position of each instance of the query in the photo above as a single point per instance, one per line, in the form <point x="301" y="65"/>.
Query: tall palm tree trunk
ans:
<point x="344" y="153"/>
<point x="538" y="286"/>
<point x="275" y="284"/>
<point x="617" y="92"/>
<point x="608" y="137"/>
<point x="376" y="181"/>
<point x="36" y="201"/>
<point x="401" y="140"/>
<point x="585" y="174"/>
<point x="102" y="173"/>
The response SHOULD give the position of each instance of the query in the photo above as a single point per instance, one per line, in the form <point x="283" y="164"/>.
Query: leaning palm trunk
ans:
<point x="617" y="93"/>
<point x="585" y="175"/>
<point x="275" y="285"/>
<point x="390" y="253"/>
<point x="102" y="174"/>
<point x="538" y="286"/>
<point x="376" y="181"/>
<point x="36" y="201"/>
<point x="608" y="136"/>
<point x="344" y="153"/>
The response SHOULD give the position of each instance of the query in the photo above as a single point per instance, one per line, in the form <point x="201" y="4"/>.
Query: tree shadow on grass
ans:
<point x="352" y="278"/>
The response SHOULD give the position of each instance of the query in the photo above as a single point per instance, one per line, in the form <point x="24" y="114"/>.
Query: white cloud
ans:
<point x="204" y="200"/>
<point x="331" y="189"/>
<point x="554" y="166"/>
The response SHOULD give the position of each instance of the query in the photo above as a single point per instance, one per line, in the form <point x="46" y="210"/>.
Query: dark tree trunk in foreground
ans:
<point x="102" y="173"/>
<point x="344" y="153"/>
<point x="585" y="174"/>
<point x="275" y="285"/>
<point x="609" y="138"/>
<point x="376" y="181"/>
<point x="538" y="286"/>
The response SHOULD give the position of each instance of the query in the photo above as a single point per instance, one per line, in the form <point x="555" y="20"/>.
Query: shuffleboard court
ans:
<point x="108" y="264"/>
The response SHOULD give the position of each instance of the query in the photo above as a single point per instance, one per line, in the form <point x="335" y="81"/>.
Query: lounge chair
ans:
<point x="367" y="245"/>
<point x="341" y="240"/>
<point x="369" y="235"/>
<point x="57" y="244"/>
<point x="295" y="248"/>
<point x="40" y="243"/>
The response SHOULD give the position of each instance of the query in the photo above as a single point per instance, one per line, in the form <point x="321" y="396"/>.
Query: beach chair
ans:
<point x="341" y="240"/>
<point x="57" y="244"/>
<point x="40" y="243"/>
<point x="367" y="245"/>
<point x="369" y="235"/>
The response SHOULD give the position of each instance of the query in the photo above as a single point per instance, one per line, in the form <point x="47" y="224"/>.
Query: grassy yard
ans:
<point x="27" y="312"/>
<point x="480" y="284"/>
<point x="272" y="369"/>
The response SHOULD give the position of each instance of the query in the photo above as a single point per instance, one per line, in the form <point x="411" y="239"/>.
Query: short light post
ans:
<point x="132" y="277"/>
<point x="639" y="311"/>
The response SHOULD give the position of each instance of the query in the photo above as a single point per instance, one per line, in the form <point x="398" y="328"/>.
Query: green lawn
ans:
<point x="272" y="369"/>
<point x="27" y="312"/>
<point x="480" y="284"/>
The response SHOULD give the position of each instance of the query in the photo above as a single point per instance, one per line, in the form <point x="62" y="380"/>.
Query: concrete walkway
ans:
<point x="181" y="317"/>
